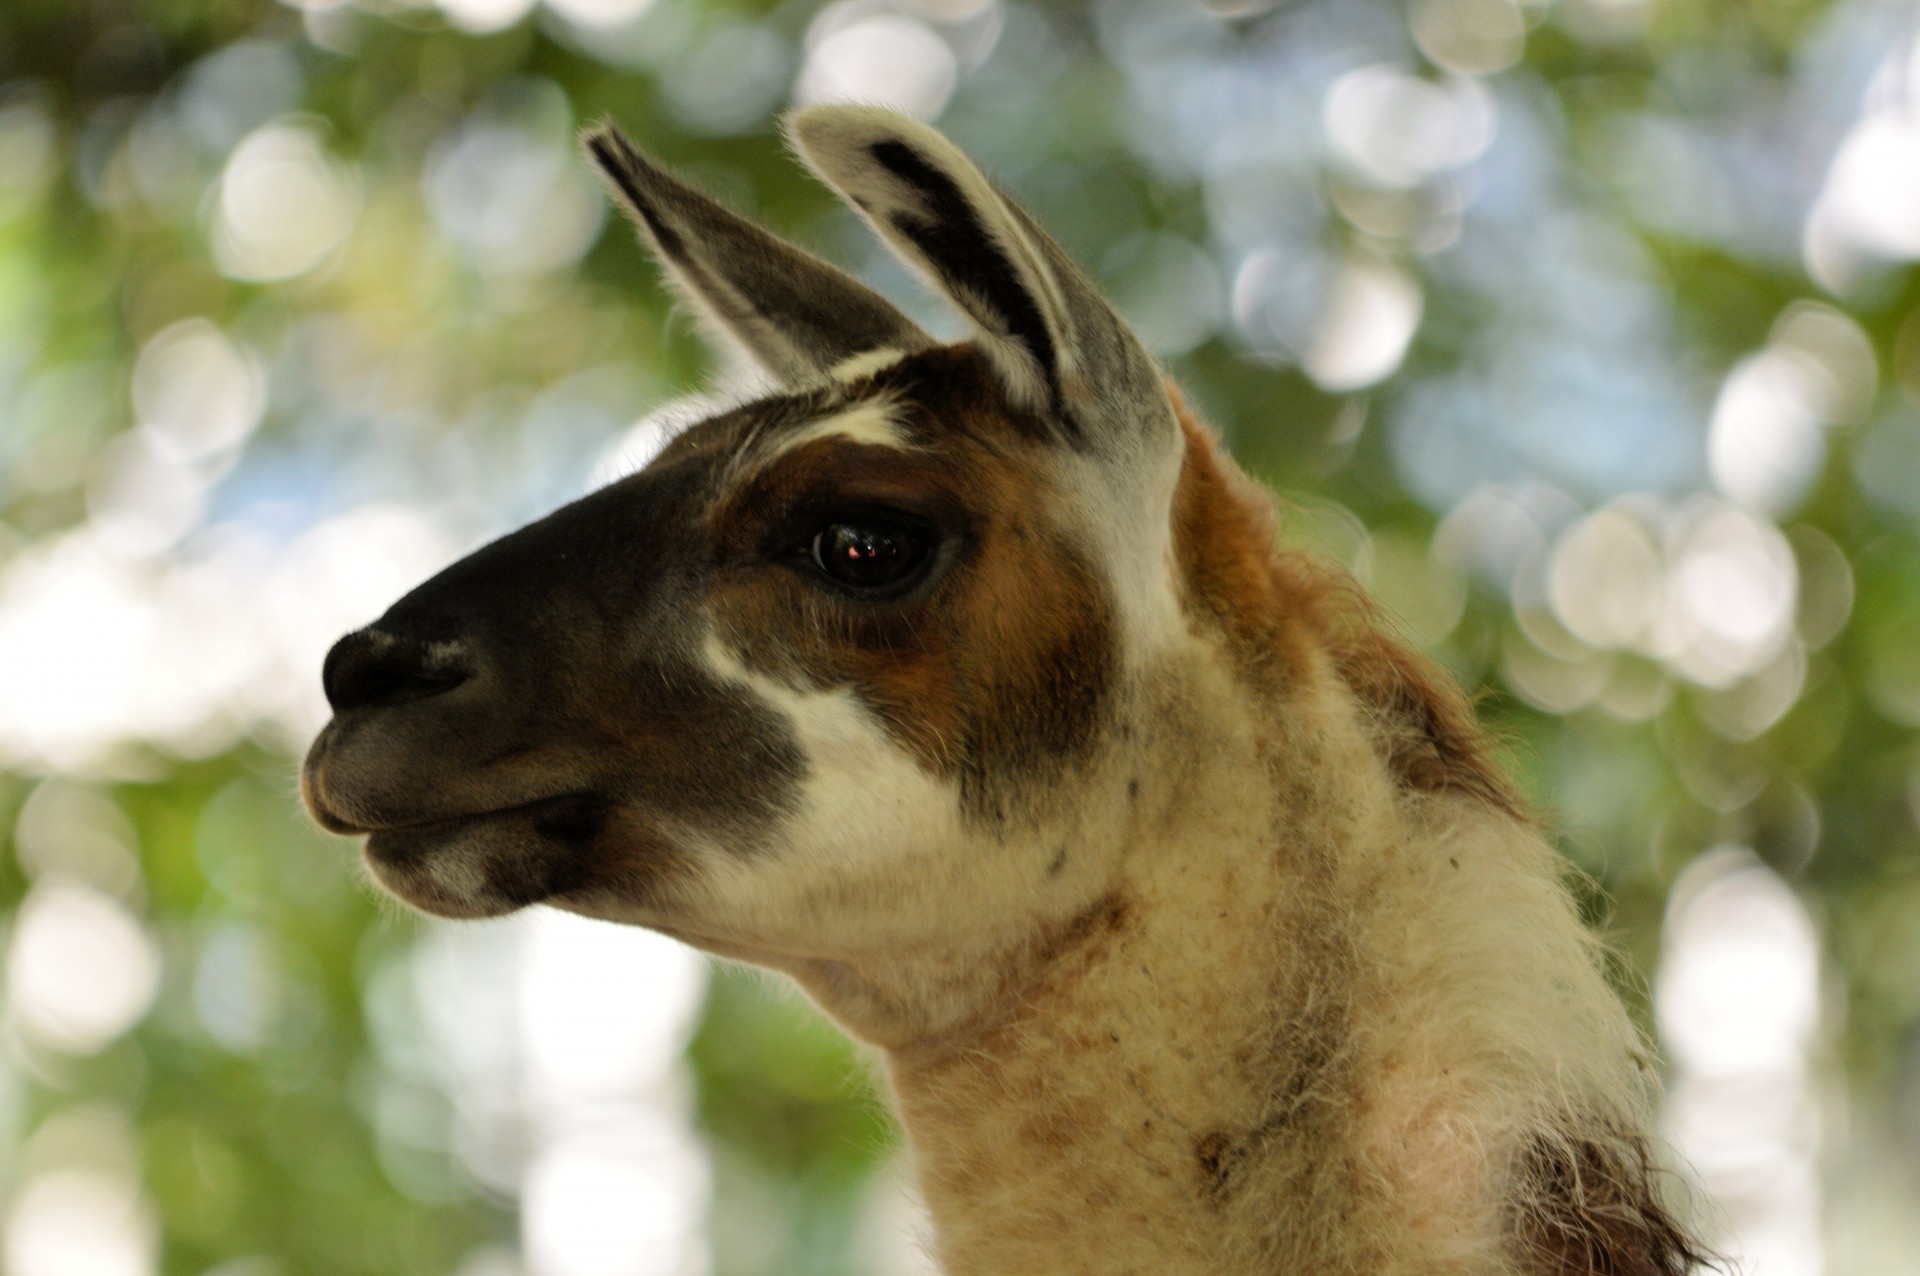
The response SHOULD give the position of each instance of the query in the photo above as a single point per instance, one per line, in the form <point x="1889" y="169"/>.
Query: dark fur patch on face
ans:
<point x="1592" y="1210"/>
<point x="1274" y="605"/>
<point x="586" y="729"/>
<point x="997" y="671"/>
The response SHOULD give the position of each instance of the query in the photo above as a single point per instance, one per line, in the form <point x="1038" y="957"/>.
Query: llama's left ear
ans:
<point x="1061" y="349"/>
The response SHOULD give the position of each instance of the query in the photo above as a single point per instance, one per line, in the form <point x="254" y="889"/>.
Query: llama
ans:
<point x="968" y="685"/>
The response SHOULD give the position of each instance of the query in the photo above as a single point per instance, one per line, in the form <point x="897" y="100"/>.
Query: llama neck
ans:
<point x="1177" y="1083"/>
<point x="1290" y="1040"/>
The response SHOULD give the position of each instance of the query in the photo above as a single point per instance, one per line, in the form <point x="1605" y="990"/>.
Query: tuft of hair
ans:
<point x="1589" y="1204"/>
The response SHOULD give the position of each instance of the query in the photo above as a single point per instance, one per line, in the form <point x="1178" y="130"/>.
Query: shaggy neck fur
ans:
<point x="1177" y="1072"/>
<point x="1337" y="1015"/>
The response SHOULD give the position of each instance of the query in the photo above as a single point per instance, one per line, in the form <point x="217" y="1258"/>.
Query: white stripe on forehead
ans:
<point x="870" y="422"/>
<point x="865" y="364"/>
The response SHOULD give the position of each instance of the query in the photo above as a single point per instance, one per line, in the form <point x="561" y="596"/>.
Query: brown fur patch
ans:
<point x="1593" y="1211"/>
<point x="1274" y="604"/>
<point x="1213" y="1152"/>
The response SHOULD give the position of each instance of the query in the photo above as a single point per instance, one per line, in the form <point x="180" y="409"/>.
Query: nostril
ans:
<point x="369" y="668"/>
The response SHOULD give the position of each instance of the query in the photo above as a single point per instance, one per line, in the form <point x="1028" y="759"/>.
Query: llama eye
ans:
<point x="869" y="553"/>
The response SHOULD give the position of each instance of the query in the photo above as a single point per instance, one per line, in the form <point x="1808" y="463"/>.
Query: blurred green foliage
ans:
<point x="425" y="308"/>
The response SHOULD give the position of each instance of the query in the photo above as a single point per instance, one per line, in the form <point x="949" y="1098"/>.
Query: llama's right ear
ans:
<point x="1060" y="348"/>
<point x="795" y="315"/>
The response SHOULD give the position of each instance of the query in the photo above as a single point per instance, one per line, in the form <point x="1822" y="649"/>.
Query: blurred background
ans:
<point x="1586" y="331"/>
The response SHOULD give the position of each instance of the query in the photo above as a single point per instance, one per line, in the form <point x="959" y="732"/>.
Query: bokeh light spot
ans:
<point x="80" y="969"/>
<point x="285" y="204"/>
<point x="888" y="59"/>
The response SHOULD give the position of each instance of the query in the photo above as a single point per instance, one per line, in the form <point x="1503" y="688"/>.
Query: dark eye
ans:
<point x="870" y="552"/>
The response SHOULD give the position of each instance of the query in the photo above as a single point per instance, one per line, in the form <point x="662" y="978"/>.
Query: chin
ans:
<point x="555" y="852"/>
<point x="480" y="866"/>
<point x="446" y="878"/>
<point x="419" y="889"/>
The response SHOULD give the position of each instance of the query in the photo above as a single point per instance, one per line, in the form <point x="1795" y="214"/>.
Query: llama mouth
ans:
<point x="564" y="817"/>
<point x="313" y="792"/>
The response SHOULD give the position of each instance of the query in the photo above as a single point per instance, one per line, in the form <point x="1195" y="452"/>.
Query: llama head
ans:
<point x="842" y="670"/>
